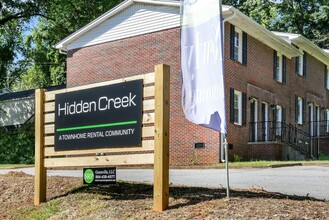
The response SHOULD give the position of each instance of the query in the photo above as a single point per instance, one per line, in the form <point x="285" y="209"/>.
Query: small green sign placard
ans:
<point x="99" y="175"/>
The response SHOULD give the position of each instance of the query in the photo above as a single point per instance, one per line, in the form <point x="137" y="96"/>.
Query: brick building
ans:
<point x="276" y="83"/>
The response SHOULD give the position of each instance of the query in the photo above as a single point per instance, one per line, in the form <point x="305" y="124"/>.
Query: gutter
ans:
<point x="167" y="3"/>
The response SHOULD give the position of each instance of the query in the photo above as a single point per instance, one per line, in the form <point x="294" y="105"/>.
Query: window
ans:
<point x="327" y="120"/>
<point x="317" y="118"/>
<point x="311" y="118"/>
<point x="299" y="110"/>
<point x="278" y="117"/>
<point x="238" y="45"/>
<point x="237" y="107"/>
<point x="279" y="67"/>
<point x="265" y="120"/>
<point x="304" y="64"/>
<point x="326" y="77"/>
<point x="300" y="65"/>
<point x="238" y="50"/>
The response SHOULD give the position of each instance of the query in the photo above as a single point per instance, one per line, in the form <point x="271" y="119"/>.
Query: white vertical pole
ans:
<point x="225" y="144"/>
<point x="226" y="168"/>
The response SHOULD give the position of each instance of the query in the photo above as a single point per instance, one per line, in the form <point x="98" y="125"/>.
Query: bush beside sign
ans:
<point x="99" y="117"/>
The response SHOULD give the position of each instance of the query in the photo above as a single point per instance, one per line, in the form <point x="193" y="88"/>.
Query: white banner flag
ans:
<point x="203" y="96"/>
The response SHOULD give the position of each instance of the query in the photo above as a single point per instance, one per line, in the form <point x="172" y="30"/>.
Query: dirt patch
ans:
<point x="17" y="190"/>
<point x="134" y="201"/>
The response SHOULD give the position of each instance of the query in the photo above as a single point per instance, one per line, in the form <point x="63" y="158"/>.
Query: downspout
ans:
<point x="62" y="52"/>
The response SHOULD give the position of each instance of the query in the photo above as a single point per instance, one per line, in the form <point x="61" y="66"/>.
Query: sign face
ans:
<point x="99" y="175"/>
<point x="99" y="117"/>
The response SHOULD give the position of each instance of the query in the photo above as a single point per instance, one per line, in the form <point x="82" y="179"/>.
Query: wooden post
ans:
<point x="161" y="138"/>
<point x="40" y="177"/>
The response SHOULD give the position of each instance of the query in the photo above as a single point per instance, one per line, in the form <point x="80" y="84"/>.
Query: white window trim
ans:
<point x="300" y="111"/>
<point x="279" y="74"/>
<point x="239" y="31"/>
<point x="239" y="94"/>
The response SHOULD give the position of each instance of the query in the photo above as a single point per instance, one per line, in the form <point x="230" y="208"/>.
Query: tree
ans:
<point x="14" y="15"/>
<point x="60" y="18"/>
<point x="308" y="18"/>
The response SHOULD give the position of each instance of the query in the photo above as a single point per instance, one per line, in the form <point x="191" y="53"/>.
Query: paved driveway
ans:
<point x="301" y="180"/>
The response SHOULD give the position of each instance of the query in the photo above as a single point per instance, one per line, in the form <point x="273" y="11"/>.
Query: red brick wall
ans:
<point x="138" y="55"/>
<point x="266" y="151"/>
<point x="256" y="79"/>
<point x="324" y="146"/>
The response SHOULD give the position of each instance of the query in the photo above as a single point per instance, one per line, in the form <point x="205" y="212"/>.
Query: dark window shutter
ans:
<point x="304" y="64"/>
<point x="297" y="65"/>
<point x="244" y="48"/>
<point x="296" y="109"/>
<point x="263" y="113"/>
<point x="304" y="111"/>
<point x="284" y="69"/>
<point x="325" y="119"/>
<point x="324" y="115"/>
<point x="275" y="57"/>
<point x="231" y="105"/>
<point x="244" y="108"/>
<point x="284" y="114"/>
<point x="325" y="76"/>
<point x="232" y="36"/>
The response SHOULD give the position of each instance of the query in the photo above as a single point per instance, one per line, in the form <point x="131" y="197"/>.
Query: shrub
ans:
<point x="237" y="158"/>
<point x="17" y="145"/>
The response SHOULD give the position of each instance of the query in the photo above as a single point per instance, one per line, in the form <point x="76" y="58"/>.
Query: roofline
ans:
<point x="289" y="52"/>
<point x="298" y="39"/>
<point x="292" y="51"/>
<point x="61" y="45"/>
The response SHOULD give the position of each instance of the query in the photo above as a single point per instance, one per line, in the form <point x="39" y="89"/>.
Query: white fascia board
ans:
<point x="163" y="3"/>
<point x="62" y="45"/>
<point x="306" y="45"/>
<point x="265" y="36"/>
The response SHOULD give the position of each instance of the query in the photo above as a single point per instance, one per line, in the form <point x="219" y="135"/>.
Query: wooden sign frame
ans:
<point x="155" y="137"/>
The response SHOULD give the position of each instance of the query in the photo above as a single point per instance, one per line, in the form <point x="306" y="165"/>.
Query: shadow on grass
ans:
<point x="192" y="195"/>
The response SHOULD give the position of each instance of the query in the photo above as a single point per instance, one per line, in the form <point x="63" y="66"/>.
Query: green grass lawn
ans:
<point x="251" y="164"/>
<point x="11" y="166"/>
<point x="260" y="164"/>
<point x="324" y="158"/>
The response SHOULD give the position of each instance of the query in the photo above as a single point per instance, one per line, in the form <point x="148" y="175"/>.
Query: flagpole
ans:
<point x="226" y="168"/>
<point x="225" y="144"/>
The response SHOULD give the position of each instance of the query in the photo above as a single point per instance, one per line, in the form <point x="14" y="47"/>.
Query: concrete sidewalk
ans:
<point x="310" y="181"/>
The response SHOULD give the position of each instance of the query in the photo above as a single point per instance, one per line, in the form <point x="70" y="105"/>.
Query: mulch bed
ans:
<point x="134" y="200"/>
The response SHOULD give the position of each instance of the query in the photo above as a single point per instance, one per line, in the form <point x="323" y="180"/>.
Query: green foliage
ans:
<point x="237" y="158"/>
<point x="45" y="211"/>
<point x="60" y="19"/>
<point x="17" y="146"/>
<point x="308" y="18"/>
<point x="42" y="65"/>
